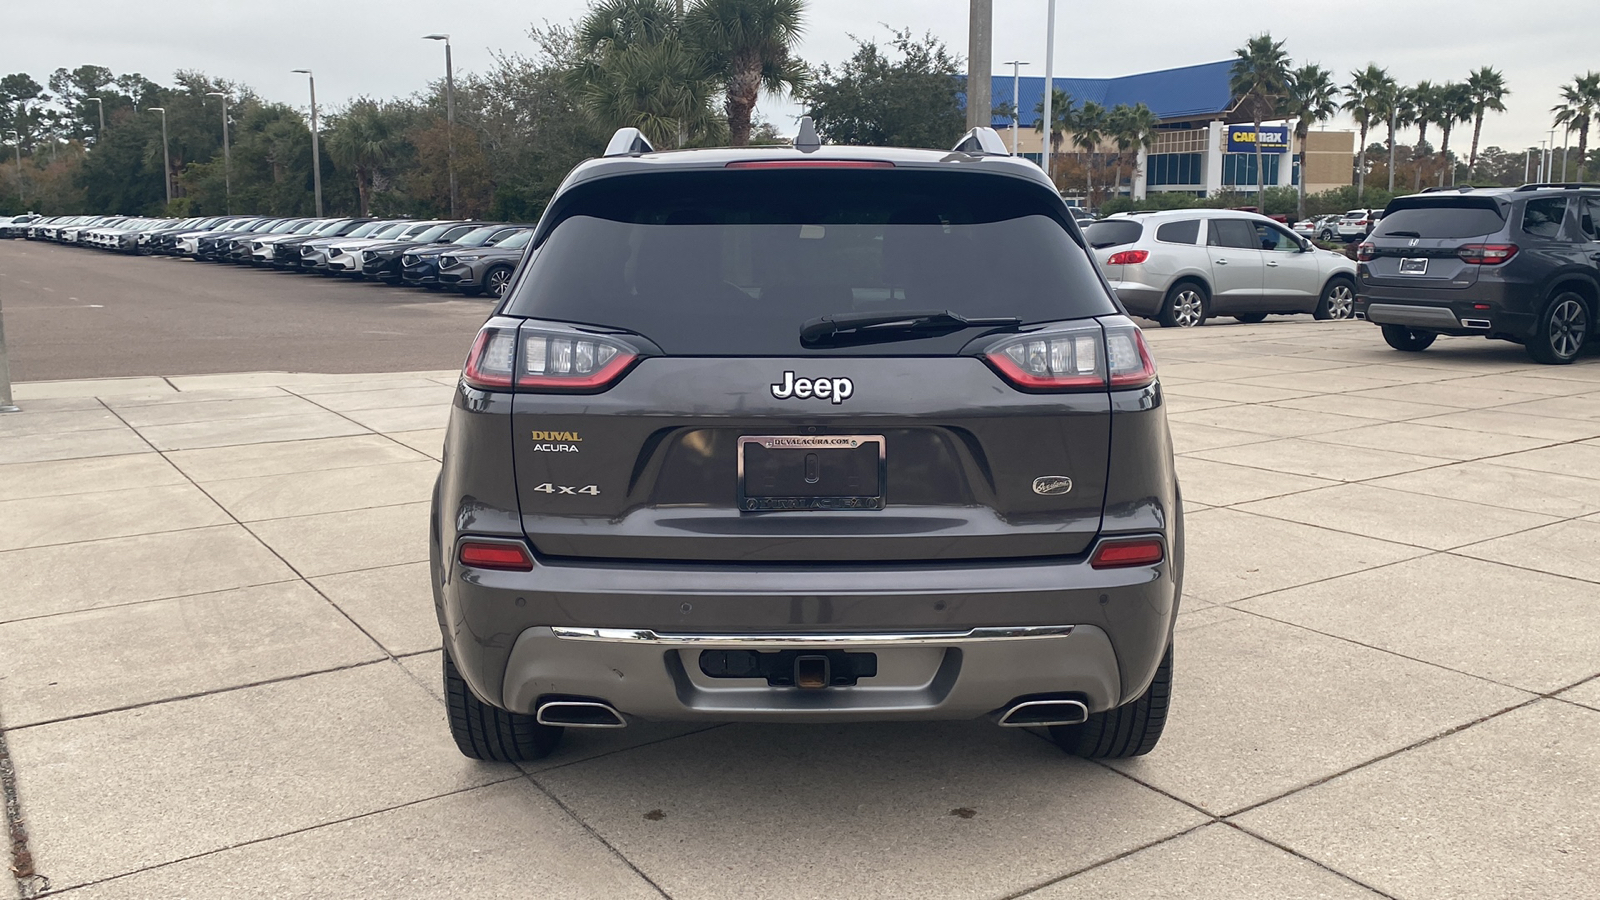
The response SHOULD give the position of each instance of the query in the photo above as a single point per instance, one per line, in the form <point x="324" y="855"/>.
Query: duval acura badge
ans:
<point x="837" y="390"/>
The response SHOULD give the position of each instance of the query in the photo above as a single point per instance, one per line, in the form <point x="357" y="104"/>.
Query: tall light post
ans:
<point x="101" y="105"/>
<point x="1566" y="147"/>
<point x="1016" y="97"/>
<point x="1048" y="123"/>
<point x="227" y="159"/>
<point x="1394" y="113"/>
<point x="316" y="148"/>
<point x="980" y="50"/>
<point x="18" y="138"/>
<point x="166" y="157"/>
<point x="449" y="113"/>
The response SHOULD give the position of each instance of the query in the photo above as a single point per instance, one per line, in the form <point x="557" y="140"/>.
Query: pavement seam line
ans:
<point x="369" y="428"/>
<point x="290" y="833"/>
<point x="582" y="823"/>
<point x="126" y="604"/>
<point x="28" y="881"/>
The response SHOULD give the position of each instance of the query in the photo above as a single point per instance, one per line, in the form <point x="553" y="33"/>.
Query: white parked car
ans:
<point x="1358" y="223"/>
<point x="1180" y="267"/>
<point x="1322" y="228"/>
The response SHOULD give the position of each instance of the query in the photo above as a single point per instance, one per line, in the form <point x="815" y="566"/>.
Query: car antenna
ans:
<point x="807" y="140"/>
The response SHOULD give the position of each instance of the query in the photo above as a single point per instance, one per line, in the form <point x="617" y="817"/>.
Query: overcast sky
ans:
<point x="375" y="48"/>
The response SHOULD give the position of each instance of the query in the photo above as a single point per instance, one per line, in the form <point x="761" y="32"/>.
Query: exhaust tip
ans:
<point x="579" y="714"/>
<point x="1033" y="713"/>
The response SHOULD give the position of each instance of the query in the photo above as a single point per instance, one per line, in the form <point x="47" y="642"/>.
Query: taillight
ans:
<point x="1365" y="252"/>
<point x="1486" y="254"/>
<point x="545" y="361"/>
<point x="486" y="555"/>
<point x="1128" y="258"/>
<point x="1124" y="553"/>
<point x="1079" y="358"/>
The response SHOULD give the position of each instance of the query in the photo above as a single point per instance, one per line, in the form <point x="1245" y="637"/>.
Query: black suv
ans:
<point x="1517" y="264"/>
<point x="807" y="434"/>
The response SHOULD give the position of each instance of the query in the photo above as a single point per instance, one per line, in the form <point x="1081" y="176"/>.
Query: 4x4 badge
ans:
<point x="1050" y="485"/>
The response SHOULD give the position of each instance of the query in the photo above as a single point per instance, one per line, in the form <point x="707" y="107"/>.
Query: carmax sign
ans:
<point x="1242" y="139"/>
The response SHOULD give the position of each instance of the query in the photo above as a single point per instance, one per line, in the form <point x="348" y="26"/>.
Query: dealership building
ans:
<point x="1205" y="143"/>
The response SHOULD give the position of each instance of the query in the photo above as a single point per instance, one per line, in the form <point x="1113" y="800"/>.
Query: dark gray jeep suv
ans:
<point x="807" y="434"/>
<point x="1518" y="264"/>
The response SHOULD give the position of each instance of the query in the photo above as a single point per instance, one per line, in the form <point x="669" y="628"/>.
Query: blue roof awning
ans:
<point x="1180" y="93"/>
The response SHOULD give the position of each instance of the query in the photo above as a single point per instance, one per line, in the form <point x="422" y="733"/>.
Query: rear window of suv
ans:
<point x="734" y="263"/>
<point x="1458" y="218"/>
<point x="1112" y="233"/>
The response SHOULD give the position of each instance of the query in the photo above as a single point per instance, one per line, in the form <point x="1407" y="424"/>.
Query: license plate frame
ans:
<point x="766" y="483"/>
<point x="1414" y="265"/>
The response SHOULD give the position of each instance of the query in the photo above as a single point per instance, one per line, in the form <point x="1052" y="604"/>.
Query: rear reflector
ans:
<point x="482" y="555"/>
<point x="811" y="164"/>
<point x="1125" y="553"/>
<point x="1128" y="258"/>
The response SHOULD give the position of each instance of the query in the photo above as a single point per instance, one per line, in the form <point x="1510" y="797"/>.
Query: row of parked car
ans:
<point x="471" y="257"/>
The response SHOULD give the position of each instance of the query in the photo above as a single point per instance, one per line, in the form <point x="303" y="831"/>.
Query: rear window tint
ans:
<point x="1542" y="217"/>
<point x="734" y="263"/>
<point x="1112" y="233"/>
<point x="1184" y="232"/>
<point x="1442" y="220"/>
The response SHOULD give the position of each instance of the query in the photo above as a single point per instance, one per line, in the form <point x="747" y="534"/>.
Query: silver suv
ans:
<point x="1181" y="267"/>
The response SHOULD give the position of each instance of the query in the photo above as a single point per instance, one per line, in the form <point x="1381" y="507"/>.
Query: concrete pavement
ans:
<point x="220" y="668"/>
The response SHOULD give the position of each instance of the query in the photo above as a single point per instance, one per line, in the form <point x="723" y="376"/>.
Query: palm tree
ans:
<point x="1368" y="103"/>
<point x="1088" y="131"/>
<point x="749" y="45"/>
<point x="1488" y="91"/>
<point x="1132" y="128"/>
<point x="1260" y="76"/>
<point x="1580" y="103"/>
<point x="1423" y="99"/>
<point x="634" y="69"/>
<point x="363" y="138"/>
<point x="1313" y="98"/>
<point x="1061" y="111"/>
<point x="1455" y="106"/>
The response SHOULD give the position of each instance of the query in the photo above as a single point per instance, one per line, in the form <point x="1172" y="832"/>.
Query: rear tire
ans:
<point x="1562" y="330"/>
<point x="486" y="732"/>
<point x="1251" y="318"/>
<point x="1186" y="306"/>
<point x="1338" y="300"/>
<point x="496" y="280"/>
<point x="1403" y="338"/>
<point x="1131" y="730"/>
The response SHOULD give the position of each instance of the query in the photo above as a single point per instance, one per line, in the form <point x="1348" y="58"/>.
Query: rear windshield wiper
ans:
<point x="893" y="326"/>
<point x="1415" y="234"/>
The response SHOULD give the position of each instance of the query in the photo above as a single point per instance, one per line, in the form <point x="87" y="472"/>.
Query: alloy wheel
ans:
<point x="498" y="281"/>
<point x="1188" y="308"/>
<point x="1341" y="302"/>
<point x="1569" y="325"/>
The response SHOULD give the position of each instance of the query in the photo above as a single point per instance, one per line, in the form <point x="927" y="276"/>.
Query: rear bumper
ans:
<point x="945" y="676"/>
<point x="1489" y="307"/>
<point x="1139" y="299"/>
<point x="630" y="634"/>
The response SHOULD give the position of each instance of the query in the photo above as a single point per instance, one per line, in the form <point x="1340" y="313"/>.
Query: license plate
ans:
<point x="1414" y="266"/>
<point x="811" y="472"/>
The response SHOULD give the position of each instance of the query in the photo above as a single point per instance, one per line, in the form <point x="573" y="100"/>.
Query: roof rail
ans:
<point x="806" y="139"/>
<point x="628" y="142"/>
<point x="983" y="141"/>
<point x="1564" y="185"/>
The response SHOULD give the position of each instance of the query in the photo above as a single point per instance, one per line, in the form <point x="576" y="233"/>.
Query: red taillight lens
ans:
<point x="1119" y="554"/>
<point x="545" y="360"/>
<point x="1076" y="359"/>
<point x="1486" y="254"/>
<point x="1365" y="253"/>
<point x="484" y="555"/>
<point x="811" y="164"/>
<point x="1128" y="258"/>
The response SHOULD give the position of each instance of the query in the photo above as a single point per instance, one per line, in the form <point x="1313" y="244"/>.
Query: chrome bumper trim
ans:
<point x="900" y="639"/>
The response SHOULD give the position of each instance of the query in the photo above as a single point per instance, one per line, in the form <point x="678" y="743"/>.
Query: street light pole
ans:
<point x="18" y="138"/>
<point x="1047" y="124"/>
<point x="227" y="159"/>
<point x="316" y="148"/>
<point x="101" y="105"/>
<point x="449" y="113"/>
<point x="1394" y="110"/>
<point x="166" y="157"/>
<point x="1016" y="97"/>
